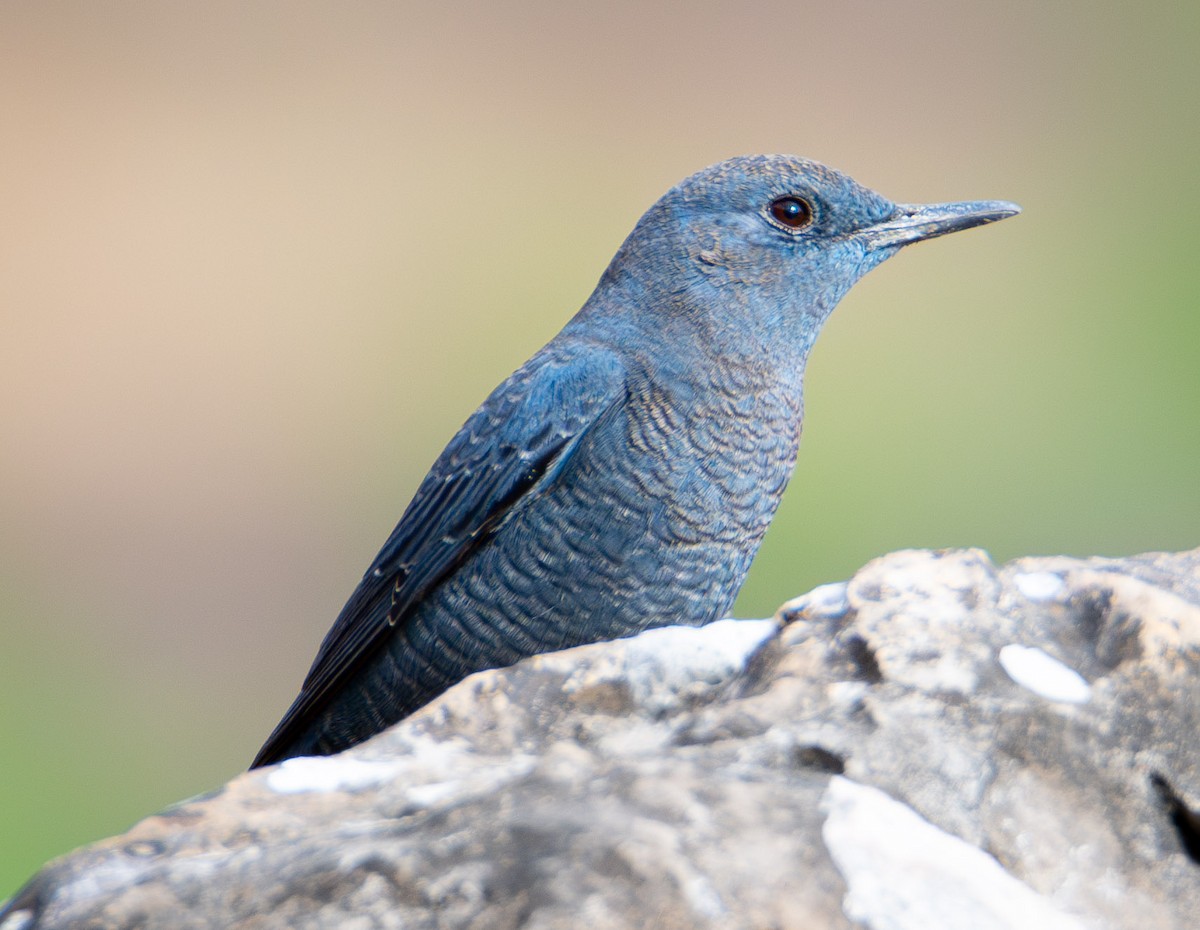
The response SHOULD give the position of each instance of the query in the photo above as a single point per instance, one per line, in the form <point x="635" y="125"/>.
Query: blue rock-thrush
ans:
<point x="624" y="476"/>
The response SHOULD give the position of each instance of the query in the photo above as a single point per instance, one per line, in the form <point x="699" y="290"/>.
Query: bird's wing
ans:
<point x="509" y="451"/>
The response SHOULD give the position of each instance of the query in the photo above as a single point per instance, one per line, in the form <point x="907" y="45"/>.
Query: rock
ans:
<point x="938" y="743"/>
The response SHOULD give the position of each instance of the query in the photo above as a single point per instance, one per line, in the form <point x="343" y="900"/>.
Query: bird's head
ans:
<point x="757" y="250"/>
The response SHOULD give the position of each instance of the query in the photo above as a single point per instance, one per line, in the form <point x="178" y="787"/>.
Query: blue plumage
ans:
<point x="624" y="476"/>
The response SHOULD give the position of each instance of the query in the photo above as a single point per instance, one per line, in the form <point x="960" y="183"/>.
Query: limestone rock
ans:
<point x="938" y="743"/>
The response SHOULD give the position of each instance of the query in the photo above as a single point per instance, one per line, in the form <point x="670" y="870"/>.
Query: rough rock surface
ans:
<point x="938" y="743"/>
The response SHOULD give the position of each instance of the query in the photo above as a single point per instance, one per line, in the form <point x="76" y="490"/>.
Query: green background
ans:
<point x="258" y="262"/>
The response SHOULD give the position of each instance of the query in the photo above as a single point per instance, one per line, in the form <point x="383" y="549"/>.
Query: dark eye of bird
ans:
<point x="791" y="212"/>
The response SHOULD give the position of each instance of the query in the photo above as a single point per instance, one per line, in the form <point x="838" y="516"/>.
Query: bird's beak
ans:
<point x="913" y="222"/>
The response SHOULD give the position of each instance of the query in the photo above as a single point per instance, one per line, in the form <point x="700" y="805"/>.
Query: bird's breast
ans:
<point x="714" y="458"/>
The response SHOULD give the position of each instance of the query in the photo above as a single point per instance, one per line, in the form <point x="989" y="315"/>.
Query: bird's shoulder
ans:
<point x="555" y="395"/>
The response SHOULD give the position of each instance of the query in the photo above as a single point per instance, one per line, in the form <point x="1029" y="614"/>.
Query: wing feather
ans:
<point x="506" y="454"/>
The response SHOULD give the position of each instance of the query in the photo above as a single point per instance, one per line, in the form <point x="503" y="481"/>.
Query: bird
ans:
<point x="624" y="476"/>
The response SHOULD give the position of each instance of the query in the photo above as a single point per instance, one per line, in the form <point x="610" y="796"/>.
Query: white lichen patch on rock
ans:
<point x="1044" y="675"/>
<point x="903" y="873"/>
<point x="660" y="667"/>
<point x="328" y="773"/>
<point x="677" y="655"/>
<point x="1039" y="586"/>
<point x="17" y="920"/>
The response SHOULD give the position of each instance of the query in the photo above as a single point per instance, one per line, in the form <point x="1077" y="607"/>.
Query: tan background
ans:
<point x="258" y="261"/>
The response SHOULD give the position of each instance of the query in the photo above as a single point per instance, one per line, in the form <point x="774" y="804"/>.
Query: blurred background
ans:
<point x="258" y="262"/>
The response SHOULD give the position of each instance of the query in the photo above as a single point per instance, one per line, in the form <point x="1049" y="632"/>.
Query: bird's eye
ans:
<point x="791" y="212"/>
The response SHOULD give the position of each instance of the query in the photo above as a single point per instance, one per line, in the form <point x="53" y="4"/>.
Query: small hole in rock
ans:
<point x="863" y="656"/>
<point x="1185" y="820"/>
<point x="816" y="757"/>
